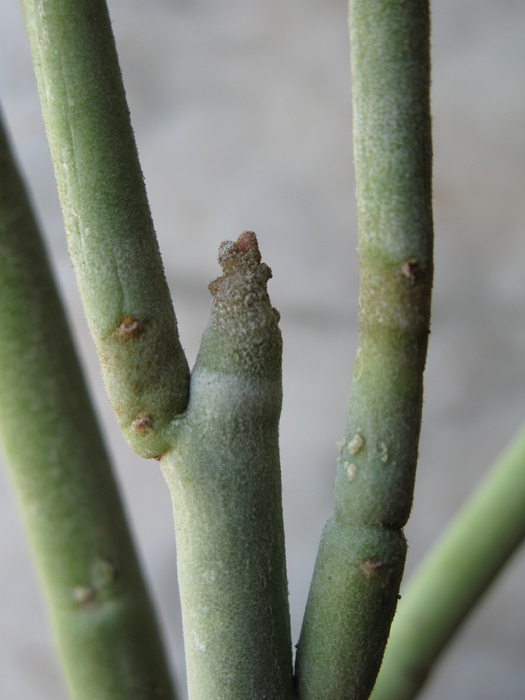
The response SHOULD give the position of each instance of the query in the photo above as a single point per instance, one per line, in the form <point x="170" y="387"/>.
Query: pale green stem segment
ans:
<point x="101" y="613"/>
<point x="361" y="557"/>
<point x="108" y="222"/>
<point x="224" y="478"/>
<point x="456" y="573"/>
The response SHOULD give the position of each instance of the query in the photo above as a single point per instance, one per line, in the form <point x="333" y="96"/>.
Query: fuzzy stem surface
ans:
<point x="108" y="223"/>
<point x="224" y="477"/>
<point x="456" y="573"/>
<point x="361" y="557"/>
<point x="218" y="444"/>
<point x="101" y="613"/>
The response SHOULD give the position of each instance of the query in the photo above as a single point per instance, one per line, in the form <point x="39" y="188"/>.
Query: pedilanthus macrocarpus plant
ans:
<point x="215" y="433"/>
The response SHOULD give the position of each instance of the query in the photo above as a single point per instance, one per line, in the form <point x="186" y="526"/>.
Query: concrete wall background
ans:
<point x="242" y="115"/>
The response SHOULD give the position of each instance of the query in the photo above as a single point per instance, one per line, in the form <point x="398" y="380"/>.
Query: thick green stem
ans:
<point x="110" y="232"/>
<point x="224" y="478"/>
<point x="361" y="557"/>
<point x="100" y="610"/>
<point x="456" y="573"/>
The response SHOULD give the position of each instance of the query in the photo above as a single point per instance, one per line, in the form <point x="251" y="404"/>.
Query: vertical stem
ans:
<point x="224" y="478"/>
<point x="455" y="574"/>
<point x="100" y="610"/>
<point x="108" y="222"/>
<point x="361" y="557"/>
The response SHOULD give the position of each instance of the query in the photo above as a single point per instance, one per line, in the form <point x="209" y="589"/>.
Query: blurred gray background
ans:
<point x="243" y="119"/>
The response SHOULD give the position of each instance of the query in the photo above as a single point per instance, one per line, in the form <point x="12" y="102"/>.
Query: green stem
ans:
<point x="224" y="478"/>
<point x="456" y="573"/>
<point x="101" y="613"/>
<point x="108" y="222"/>
<point x="361" y="557"/>
<point x="219" y="452"/>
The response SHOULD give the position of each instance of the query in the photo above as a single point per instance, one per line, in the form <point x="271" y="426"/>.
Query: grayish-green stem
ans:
<point x="100" y="610"/>
<point x="108" y="222"/>
<point x="224" y="478"/>
<point x="361" y="557"/>
<point x="218" y="452"/>
<point x="456" y="573"/>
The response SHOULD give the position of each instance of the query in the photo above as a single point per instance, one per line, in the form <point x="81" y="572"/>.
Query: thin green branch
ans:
<point x="225" y="483"/>
<point x="456" y="573"/>
<point x="362" y="552"/>
<point x="100" y="610"/>
<point x="108" y="222"/>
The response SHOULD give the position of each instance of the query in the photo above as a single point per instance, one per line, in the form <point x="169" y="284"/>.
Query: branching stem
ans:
<point x="100" y="610"/>
<point x="218" y="444"/>
<point x="361" y="557"/>
<point x="225" y="482"/>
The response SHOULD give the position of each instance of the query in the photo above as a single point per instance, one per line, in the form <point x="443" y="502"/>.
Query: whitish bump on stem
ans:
<point x="382" y="452"/>
<point x="102" y="578"/>
<point x="85" y="597"/>
<point x="351" y="470"/>
<point x="356" y="443"/>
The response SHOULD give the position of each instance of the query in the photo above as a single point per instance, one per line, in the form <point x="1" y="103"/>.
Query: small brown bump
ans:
<point x="265" y="272"/>
<point x="373" y="569"/>
<point x="130" y="328"/>
<point x="143" y="423"/>
<point x="411" y="270"/>
<point x="215" y="285"/>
